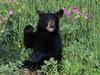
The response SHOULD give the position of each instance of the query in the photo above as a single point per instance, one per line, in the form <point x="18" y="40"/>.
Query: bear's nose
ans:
<point x="52" y="26"/>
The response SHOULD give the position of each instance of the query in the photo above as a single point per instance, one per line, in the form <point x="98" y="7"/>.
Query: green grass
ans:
<point x="80" y="37"/>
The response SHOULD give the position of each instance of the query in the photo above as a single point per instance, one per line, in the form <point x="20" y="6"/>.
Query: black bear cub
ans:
<point x="45" y="41"/>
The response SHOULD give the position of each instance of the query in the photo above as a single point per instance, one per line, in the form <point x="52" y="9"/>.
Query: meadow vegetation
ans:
<point x="79" y="29"/>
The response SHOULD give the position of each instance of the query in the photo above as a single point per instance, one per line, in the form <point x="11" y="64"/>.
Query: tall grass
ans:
<point x="80" y="36"/>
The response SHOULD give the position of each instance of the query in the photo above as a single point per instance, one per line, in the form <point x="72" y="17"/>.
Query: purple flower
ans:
<point x="76" y="10"/>
<point x="65" y="10"/>
<point x="14" y="1"/>
<point x="10" y="12"/>
<point x="69" y="14"/>
<point x="88" y="15"/>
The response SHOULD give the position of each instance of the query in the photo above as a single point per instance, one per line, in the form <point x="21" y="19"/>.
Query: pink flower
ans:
<point x="10" y="12"/>
<point x="76" y="10"/>
<point x="69" y="14"/>
<point x="14" y="1"/>
<point x="88" y="15"/>
<point x="65" y="10"/>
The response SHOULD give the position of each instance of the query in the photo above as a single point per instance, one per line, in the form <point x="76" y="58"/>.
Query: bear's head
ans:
<point x="49" y="21"/>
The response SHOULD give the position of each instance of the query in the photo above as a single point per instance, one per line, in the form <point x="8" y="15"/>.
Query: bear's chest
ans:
<point x="45" y="42"/>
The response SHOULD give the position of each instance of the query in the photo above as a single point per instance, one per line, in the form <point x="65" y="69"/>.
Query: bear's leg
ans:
<point x="38" y="58"/>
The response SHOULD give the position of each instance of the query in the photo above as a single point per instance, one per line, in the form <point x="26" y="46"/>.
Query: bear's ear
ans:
<point x="60" y="13"/>
<point x="40" y="13"/>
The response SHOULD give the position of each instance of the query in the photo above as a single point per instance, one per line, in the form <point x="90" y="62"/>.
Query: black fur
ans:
<point x="45" y="44"/>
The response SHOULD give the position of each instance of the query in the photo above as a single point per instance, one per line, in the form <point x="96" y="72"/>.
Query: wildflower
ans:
<point x="76" y="10"/>
<point x="14" y="1"/>
<point x="88" y="15"/>
<point x="10" y="12"/>
<point x="69" y="14"/>
<point x="65" y="10"/>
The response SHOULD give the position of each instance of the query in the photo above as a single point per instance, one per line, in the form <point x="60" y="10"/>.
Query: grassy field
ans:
<point x="80" y="35"/>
